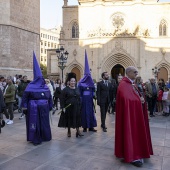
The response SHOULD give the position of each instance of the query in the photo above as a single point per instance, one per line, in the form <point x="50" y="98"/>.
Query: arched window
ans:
<point x="163" y="28"/>
<point x="75" y="30"/>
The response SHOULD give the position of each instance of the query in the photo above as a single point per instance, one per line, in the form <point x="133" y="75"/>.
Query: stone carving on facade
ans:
<point x="118" y="33"/>
<point x="118" y="21"/>
<point x="118" y="45"/>
<point x="75" y="53"/>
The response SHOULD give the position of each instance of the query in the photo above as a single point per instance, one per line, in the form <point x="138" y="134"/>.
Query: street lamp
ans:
<point x="62" y="59"/>
<point x="155" y="72"/>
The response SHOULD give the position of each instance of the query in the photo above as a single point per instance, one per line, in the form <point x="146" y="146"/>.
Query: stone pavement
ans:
<point x="94" y="151"/>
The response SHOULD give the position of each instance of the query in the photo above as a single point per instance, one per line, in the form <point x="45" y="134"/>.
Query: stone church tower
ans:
<point x="116" y="34"/>
<point x="19" y="36"/>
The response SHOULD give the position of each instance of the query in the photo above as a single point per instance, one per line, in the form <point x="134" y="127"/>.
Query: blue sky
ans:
<point x="51" y="12"/>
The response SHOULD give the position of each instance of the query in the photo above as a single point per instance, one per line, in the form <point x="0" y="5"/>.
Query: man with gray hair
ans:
<point x="132" y="133"/>
<point x="152" y="90"/>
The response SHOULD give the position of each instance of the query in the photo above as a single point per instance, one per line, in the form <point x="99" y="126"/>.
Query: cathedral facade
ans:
<point x="116" y="34"/>
<point x="19" y="36"/>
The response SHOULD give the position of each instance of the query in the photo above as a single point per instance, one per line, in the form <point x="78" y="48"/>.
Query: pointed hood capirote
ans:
<point x="38" y="84"/>
<point x="87" y="80"/>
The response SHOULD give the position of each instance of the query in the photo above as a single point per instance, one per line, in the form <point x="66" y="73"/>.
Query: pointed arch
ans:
<point x="73" y="65"/>
<point x="115" y="59"/>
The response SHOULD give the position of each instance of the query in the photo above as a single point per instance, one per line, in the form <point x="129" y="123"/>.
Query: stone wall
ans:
<point x="19" y="36"/>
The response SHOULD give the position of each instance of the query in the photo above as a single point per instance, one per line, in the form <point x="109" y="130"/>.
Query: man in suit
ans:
<point x="152" y="94"/>
<point x="103" y="97"/>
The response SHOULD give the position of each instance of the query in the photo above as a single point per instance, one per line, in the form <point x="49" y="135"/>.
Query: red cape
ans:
<point x="132" y="133"/>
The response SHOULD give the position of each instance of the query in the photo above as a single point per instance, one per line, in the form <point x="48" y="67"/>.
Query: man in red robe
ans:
<point x="132" y="133"/>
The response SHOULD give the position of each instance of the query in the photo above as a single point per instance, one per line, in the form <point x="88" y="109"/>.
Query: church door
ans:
<point x="77" y="72"/>
<point x="163" y="74"/>
<point x="116" y="70"/>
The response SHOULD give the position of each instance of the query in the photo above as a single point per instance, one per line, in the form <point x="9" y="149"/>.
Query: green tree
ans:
<point x="44" y="70"/>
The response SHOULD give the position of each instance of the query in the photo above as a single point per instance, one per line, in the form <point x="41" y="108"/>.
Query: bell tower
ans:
<point x="65" y="2"/>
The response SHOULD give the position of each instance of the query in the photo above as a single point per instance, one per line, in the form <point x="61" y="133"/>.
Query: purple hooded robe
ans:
<point x="38" y="101"/>
<point x="87" y="91"/>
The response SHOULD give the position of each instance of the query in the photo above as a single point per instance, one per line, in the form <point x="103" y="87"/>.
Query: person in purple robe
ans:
<point x="87" y="92"/>
<point x="37" y="102"/>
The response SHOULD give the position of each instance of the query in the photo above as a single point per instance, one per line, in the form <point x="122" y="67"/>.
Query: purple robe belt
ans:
<point x="86" y="92"/>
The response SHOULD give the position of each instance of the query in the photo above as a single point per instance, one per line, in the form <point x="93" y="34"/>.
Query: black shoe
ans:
<point x="103" y="127"/>
<point x="104" y="130"/>
<point x="109" y="111"/>
<point x="84" y="129"/>
<point x="78" y="134"/>
<point x="152" y="115"/>
<point x="137" y="163"/>
<point x="92" y="129"/>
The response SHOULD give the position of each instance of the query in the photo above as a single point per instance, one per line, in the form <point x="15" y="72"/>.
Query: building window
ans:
<point x="41" y="58"/>
<point x="45" y="59"/>
<point x="48" y="44"/>
<point x="45" y="43"/>
<point x="55" y="46"/>
<point x="51" y="45"/>
<point x="41" y="42"/>
<point x="45" y="51"/>
<point x="75" y="30"/>
<point x="163" y="28"/>
<point x="41" y="50"/>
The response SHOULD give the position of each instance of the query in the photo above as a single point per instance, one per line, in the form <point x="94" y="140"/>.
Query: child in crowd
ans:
<point x="165" y="102"/>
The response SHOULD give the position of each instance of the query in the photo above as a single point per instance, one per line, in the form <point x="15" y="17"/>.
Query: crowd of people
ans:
<point x="125" y="97"/>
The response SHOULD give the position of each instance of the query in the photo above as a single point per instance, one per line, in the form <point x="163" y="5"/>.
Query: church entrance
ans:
<point x="163" y="74"/>
<point x="77" y="72"/>
<point x="116" y="70"/>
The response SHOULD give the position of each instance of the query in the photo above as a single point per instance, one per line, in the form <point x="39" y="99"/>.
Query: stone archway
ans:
<point x="77" y="72"/>
<point x="121" y="59"/>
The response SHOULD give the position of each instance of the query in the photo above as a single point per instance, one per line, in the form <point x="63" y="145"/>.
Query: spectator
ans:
<point x="152" y="94"/>
<point x="57" y="93"/>
<point x="161" y="83"/>
<point x="168" y="83"/>
<point x="20" y="90"/>
<point x="9" y="95"/>
<point x="1" y="83"/>
<point x="159" y="99"/>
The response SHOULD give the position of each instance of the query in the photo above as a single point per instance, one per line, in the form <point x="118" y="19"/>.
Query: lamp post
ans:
<point x="62" y="59"/>
<point x="155" y="72"/>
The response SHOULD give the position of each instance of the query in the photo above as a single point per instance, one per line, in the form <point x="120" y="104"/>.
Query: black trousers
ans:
<point x="151" y="104"/>
<point x="8" y="111"/>
<point x="103" y="110"/>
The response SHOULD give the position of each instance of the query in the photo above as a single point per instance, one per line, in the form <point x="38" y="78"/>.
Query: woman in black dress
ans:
<point x="70" y="100"/>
